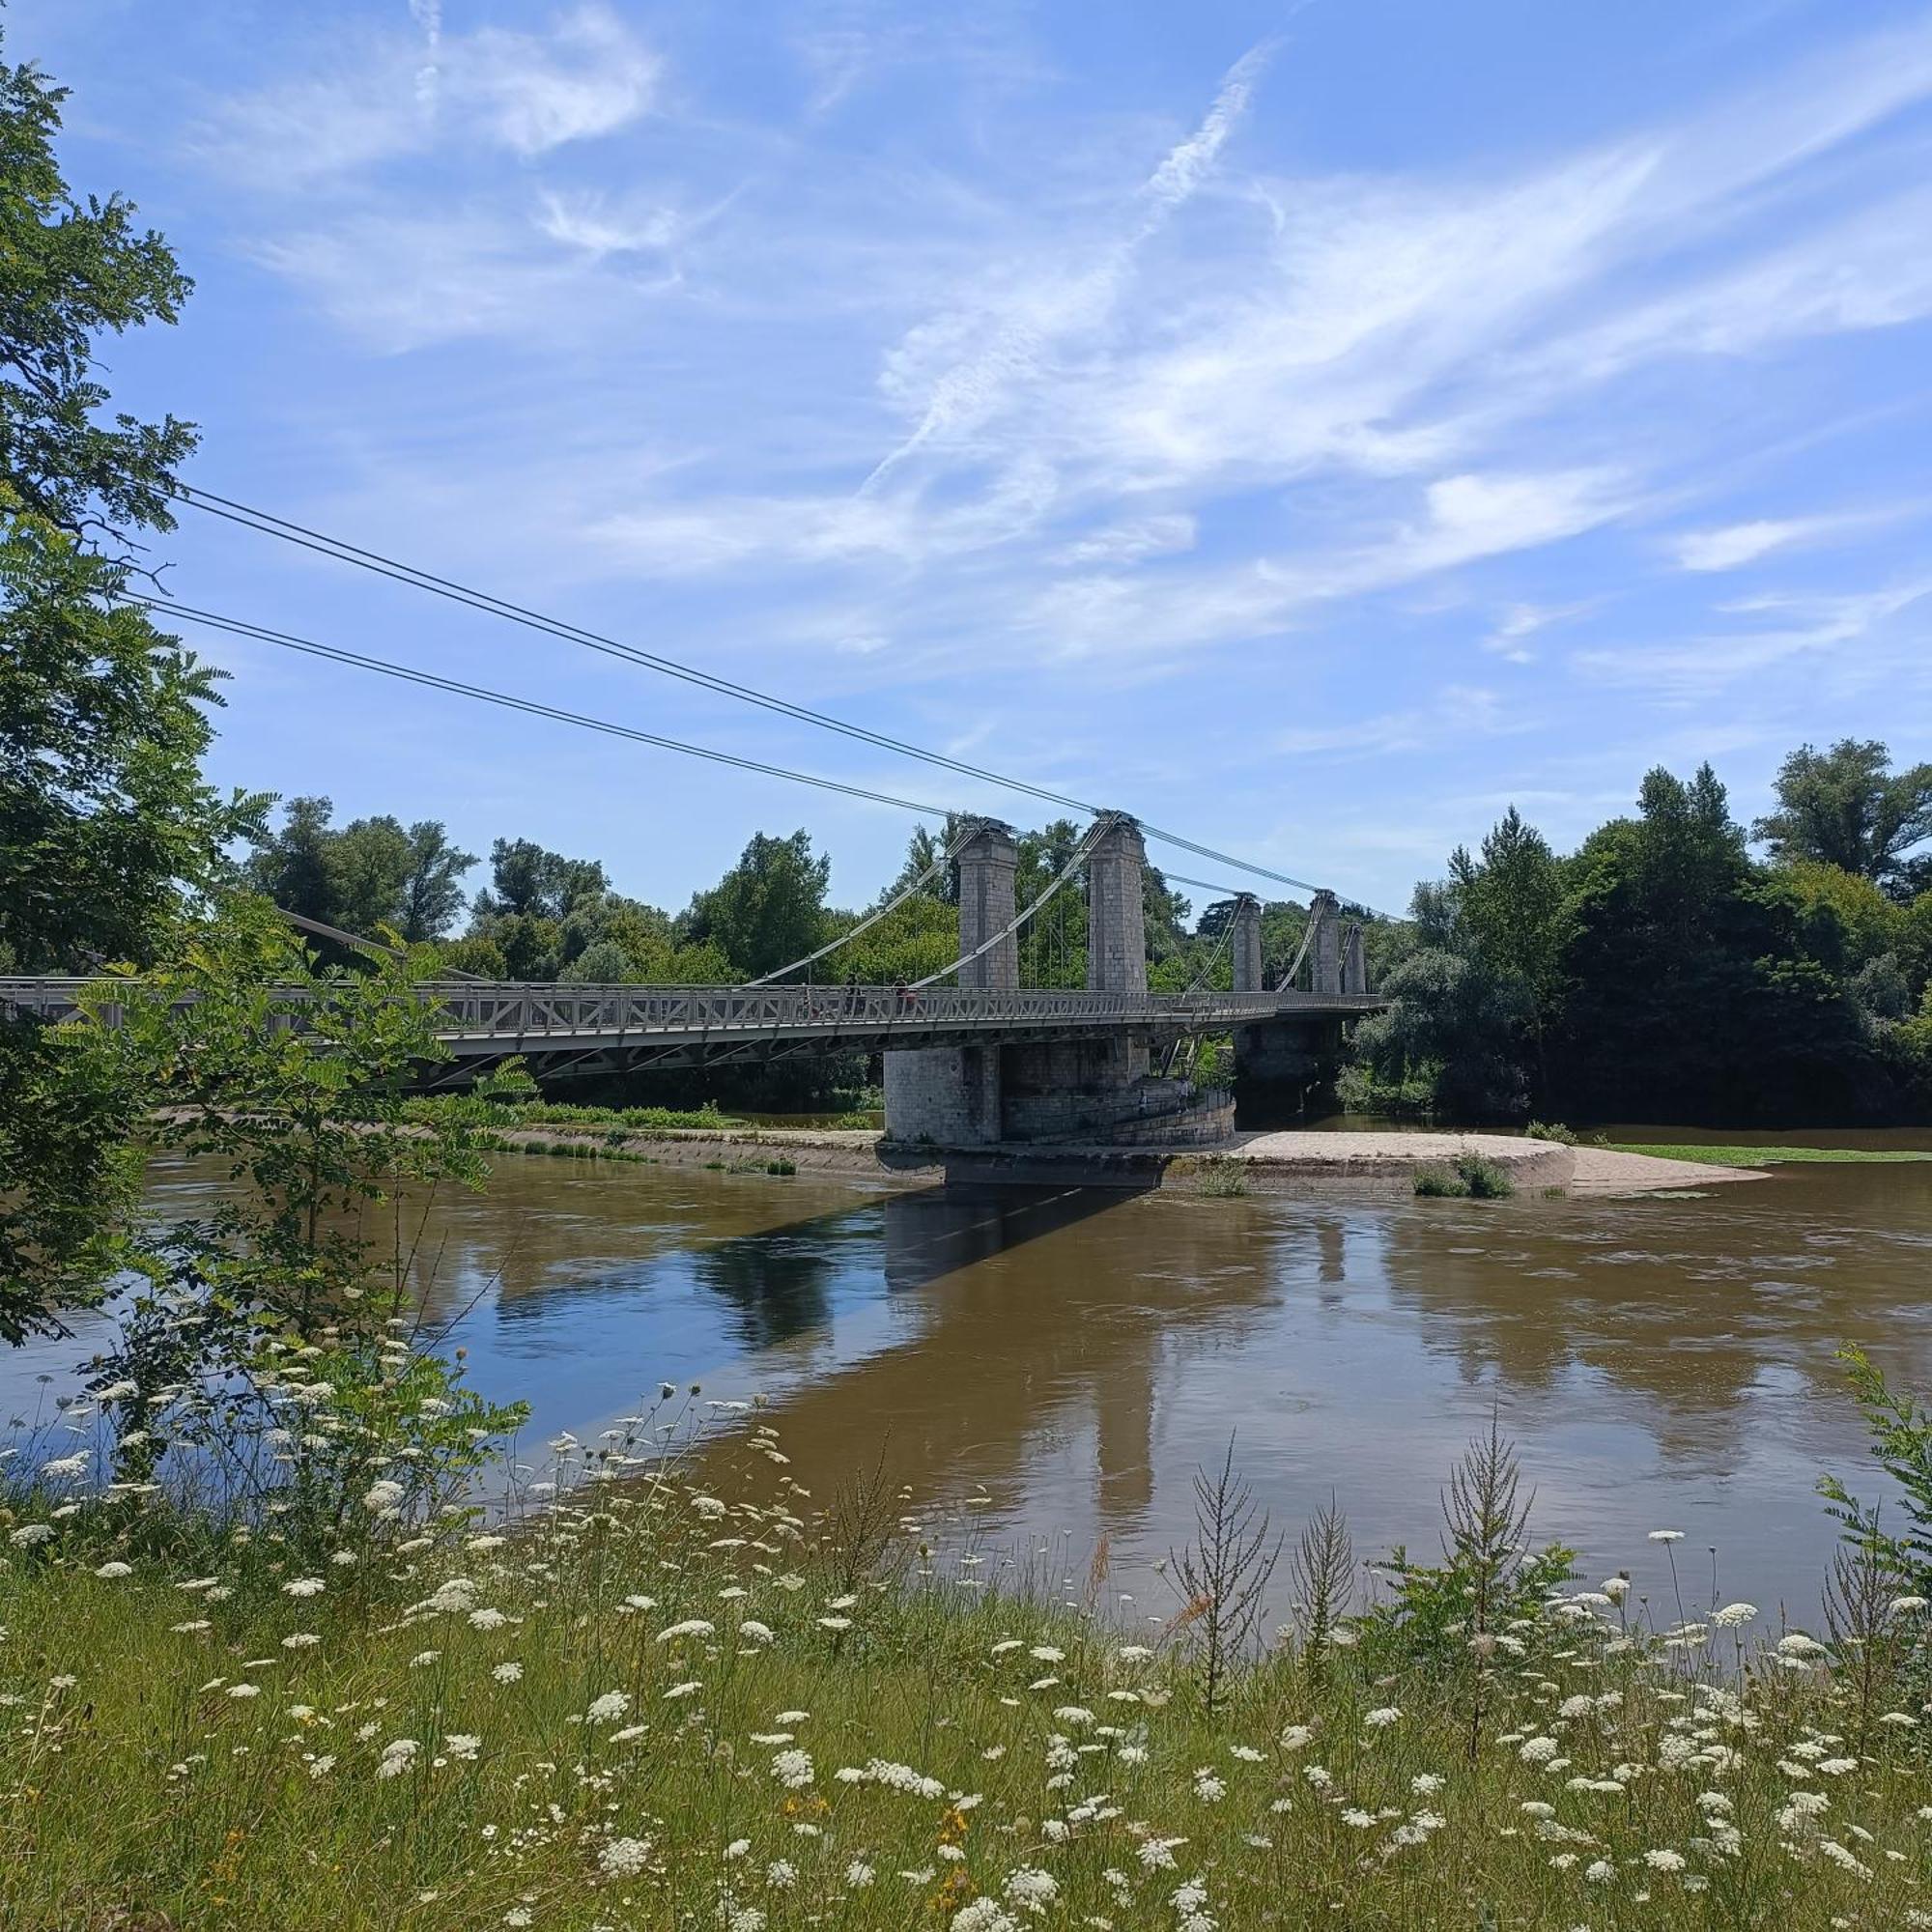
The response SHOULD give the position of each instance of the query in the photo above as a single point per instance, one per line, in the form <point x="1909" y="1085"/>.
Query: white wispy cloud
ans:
<point x="1731" y="546"/>
<point x="1737" y="544"/>
<point x="1459" y="712"/>
<point x="1811" y="626"/>
<point x="960" y="370"/>
<point x="1521" y="621"/>
<point x="386" y="95"/>
<point x="599" y="226"/>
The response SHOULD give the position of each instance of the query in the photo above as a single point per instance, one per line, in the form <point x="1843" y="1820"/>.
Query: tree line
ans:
<point x="544" y="915"/>
<point x="1662" y="971"/>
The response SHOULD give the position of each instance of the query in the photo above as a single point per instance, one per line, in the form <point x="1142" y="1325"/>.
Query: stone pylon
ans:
<point x="987" y="863"/>
<point x="1324" y="946"/>
<point x="1116" y="915"/>
<point x="1354" y="960"/>
<point x="1246" y="945"/>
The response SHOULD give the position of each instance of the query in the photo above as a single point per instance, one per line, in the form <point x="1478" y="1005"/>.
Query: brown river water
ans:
<point x="1076" y="1354"/>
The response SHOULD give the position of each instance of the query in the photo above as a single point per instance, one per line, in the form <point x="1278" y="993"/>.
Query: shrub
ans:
<point x="1550" y="1131"/>
<point x="1439" y="1183"/>
<point x="1483" y="1179"/>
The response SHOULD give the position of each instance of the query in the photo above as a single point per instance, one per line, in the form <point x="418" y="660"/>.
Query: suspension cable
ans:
<point x="1301" y="954"/>
<point x="335" y="655"/>
<point x="1104" y="823"/>
<point x="266" y="523"/>
<point x="1214" y="959"/>
<point x="958" y="845"/>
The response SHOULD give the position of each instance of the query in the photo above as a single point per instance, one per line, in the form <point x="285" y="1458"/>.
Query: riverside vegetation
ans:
<point x="295" y="1635"/>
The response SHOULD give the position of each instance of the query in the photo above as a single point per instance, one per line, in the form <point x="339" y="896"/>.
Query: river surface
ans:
<point x="1076" y="1354"/>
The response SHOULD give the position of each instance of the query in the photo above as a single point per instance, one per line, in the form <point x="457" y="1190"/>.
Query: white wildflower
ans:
<point x="625" y="1857"/>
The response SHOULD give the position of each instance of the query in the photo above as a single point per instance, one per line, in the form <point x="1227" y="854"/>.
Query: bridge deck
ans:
<point x="489" y="1020"/>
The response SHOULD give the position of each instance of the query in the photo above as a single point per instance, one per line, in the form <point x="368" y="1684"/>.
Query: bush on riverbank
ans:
<point x="707" y="1697"/>
<point x="1471" y="1177"/>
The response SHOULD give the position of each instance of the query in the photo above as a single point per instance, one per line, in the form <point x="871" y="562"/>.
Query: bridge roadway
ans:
<point x="711" y="1025"/>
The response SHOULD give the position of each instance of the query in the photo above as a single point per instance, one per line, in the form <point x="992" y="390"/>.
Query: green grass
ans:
<point x="1764" y="1157"/>
<point x="1224" y="1177"/>
<point x="717" y="1698"/>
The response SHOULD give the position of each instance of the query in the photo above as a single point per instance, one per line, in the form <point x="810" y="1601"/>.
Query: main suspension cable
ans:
<point x="457" y="687"/>
<point x="267" y="524"/>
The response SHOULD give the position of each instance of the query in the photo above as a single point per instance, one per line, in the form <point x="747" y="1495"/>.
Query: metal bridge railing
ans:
<point x="521" y="1010"/>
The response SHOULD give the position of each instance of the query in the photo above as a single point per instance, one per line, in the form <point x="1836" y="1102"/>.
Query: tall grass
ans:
<point x="708" y="1695"/>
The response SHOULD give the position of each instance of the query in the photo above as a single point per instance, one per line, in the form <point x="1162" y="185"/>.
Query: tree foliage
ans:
<point x="769" y="909"/>
<point x="1658" y="972"/>
<point x="106" y="828"/>
<point x="1847" y="807"/>
<point x="370" y="873"/>
<point x="240" y="1048"/>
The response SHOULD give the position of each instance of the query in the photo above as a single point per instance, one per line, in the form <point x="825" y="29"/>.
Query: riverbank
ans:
<point x="662" y="1704"/>
<point x="1378" y="1163"/>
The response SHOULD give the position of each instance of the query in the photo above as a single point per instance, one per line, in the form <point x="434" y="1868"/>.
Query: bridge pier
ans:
<point x="1116" y="960"/>
<point x="1324" y="945"/>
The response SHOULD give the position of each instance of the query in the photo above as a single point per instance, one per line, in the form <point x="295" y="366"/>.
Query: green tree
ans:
<point x="1697" y="984"/>
<point x="296" y="1078"/>
<point x="1872" y="924"/>
<point x="1510" y="921"/>
<point x="106" y="828"/>
<point x="1053" y="943"/>
<point x="528" y="881"/>
<point x="433" y="886"/>
<point x="291" y="866"/>
<point x="603" y="963"/>
<point x="1450" y="1043"/>
<point x="769" y="909"/>
<point x="370" y="873"/>
<point x="1847" y="807"/>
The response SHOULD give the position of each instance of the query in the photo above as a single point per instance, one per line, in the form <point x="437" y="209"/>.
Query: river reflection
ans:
<point x="1075" y="1355"/>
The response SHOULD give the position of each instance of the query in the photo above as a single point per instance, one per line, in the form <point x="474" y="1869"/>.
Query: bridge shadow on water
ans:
<point x="783" y="1281"/>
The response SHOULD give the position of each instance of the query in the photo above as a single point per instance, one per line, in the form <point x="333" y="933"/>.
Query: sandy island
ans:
<point x="1378" y="1163"/>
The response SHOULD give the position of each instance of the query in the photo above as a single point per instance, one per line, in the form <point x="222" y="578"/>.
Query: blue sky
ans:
<point x="1311" y="427"/>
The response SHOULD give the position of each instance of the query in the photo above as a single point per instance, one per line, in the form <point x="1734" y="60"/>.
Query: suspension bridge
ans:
<point x="974" y="1063"/>
<point x="971" y="1056"/>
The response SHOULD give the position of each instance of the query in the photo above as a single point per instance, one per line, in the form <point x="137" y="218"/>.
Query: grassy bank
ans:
<point x="1763" y="1156"/>
<point x="478" y="1111"/>
<point x="732" y="1703"/>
